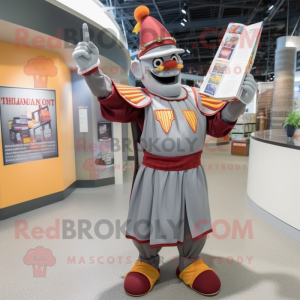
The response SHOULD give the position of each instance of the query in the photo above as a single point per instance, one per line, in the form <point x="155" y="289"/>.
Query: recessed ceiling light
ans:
<point x="188" y="51"/>
<point x="182" y="24"/>
<point x="271" y="7"/>
<point x="184" y="20"/>
<point x="183" y="11"/>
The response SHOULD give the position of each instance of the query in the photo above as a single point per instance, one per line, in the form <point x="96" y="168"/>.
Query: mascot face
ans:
<point x="159" y="64"/>
<point x="160" y="74"/>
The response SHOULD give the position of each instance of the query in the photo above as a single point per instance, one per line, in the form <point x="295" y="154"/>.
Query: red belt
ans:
<point x="178" y="163"/>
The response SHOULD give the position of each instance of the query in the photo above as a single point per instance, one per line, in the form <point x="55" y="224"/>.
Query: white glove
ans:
<point x="249" y="89"/>
<point x="86" y="54"/>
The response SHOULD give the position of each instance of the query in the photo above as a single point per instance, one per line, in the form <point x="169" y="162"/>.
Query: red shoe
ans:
<point x="140" y="279"/>
<point x="200" y="278"/>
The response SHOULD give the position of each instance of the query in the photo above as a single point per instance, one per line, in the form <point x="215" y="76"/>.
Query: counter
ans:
<point x="273" y="180"/>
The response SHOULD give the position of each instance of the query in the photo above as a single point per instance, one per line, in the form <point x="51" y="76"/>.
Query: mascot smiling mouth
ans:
<point x="166" y="80"/>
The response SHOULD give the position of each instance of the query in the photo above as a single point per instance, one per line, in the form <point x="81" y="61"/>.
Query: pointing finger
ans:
<point x="85" y="31"/>
<point x="93" y="48"/>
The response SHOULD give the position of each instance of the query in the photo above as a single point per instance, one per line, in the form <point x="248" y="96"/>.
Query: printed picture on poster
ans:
<point x="231" y="41"/>
<point x="226" y="53"/>
<point x="28" y="124"/>
<point x="215" y="78"/>
<point x="104" y="131"/>
<point x="211" y="89"/>
<point x="219" y="68"/>
<point x="236" y="29"/>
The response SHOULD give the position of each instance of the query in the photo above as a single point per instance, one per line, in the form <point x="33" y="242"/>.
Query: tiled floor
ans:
<point x="265" y="267"/>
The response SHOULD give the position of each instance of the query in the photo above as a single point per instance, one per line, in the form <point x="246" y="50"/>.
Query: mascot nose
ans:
<point x="169" y="65"/>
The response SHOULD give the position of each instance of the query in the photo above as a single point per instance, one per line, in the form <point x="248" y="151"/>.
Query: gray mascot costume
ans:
<point x="169" y="200"/>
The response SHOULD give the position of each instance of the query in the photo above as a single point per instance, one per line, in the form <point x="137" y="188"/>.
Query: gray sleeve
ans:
<point x="99" y="84"/>
<point x="232" y="111"/>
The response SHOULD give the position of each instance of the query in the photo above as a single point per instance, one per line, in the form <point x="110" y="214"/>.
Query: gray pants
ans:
<point x="189" y="252"/>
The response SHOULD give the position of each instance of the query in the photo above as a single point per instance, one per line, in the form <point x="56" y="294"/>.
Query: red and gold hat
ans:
<point x="155" y="40"/>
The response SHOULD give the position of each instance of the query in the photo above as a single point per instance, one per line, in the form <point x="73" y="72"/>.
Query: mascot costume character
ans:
<point x="169" y="199"/>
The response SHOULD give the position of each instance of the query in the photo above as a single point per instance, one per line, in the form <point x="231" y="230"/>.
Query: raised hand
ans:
<point x="86" y="54"/>
<point x="249" y="89"/>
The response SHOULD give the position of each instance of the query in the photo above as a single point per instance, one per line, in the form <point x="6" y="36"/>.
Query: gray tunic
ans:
<point x="159" y="198"/>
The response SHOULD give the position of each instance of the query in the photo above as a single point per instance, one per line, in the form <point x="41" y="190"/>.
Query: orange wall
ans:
<point x="26" y="181"/>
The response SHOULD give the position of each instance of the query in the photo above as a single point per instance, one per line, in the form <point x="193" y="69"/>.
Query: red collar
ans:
<point x="169" y="99"/>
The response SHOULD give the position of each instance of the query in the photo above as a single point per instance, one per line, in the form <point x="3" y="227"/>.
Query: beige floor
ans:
<point x="272" y="273"/>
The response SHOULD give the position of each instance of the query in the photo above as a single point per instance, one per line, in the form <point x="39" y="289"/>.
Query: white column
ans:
<point x="118" y="157"/>
<point x="283" y="93"/>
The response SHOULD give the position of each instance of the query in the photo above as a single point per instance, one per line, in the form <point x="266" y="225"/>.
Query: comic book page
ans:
<point x="232" y="61"/>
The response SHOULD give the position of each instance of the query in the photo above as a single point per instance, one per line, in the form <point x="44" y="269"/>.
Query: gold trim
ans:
<point x="192" y="119"/>
<point x="165" y="118"/>
<point x="159" y="39"/>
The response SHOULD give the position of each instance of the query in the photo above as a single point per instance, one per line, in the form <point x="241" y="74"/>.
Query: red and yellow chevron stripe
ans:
<point x="192" y="119"/>
<point x="211" y="103"/>
<point x="131" y="93"/>
<point x="165" y="118"/>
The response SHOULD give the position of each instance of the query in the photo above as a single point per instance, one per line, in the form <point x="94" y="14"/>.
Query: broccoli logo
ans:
<point x="40" y="68"/>
<point x="39" y="258"/>
<point x="94" y="169"/>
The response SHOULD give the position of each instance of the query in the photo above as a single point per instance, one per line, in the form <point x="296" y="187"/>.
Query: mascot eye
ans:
<point x="157" y="62"/>
<point x="174" y="57"/>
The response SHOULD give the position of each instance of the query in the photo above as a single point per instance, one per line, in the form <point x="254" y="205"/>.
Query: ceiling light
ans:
<point x="271" y="7"/>
<point x="182" y="24"/>
<point x="184" y="20"/>
<point x="183" y="11"/>
<point x="188" y="51"/>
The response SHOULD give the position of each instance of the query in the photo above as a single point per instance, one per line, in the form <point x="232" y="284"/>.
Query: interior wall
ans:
<point x="26" y="181"/>
<point x="87" y="144"/>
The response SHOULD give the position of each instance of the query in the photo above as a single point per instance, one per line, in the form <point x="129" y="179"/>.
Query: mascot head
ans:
<point x="158" y="65"/>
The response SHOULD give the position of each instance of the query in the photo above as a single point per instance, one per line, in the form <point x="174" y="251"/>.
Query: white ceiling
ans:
<point x="8" y="34"/>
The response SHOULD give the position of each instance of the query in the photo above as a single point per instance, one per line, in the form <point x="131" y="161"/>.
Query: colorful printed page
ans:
<point x="233" y="60"/>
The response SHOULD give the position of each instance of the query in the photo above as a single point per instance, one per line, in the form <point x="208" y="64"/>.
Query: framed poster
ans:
<point x="83" y="119"/>
<point x="104" y="131"/>
<point x="28" y="124"/>
<point x="298" y="61"/>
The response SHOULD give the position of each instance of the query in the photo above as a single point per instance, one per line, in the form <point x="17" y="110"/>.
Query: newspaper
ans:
<point x="233" y="60"/>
